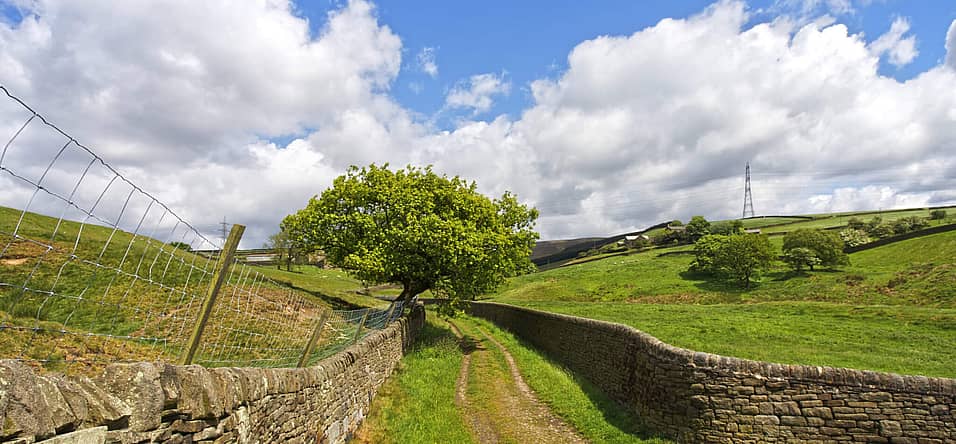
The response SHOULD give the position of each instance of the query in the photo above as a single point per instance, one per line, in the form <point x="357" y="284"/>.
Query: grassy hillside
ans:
<point x="96" y="295"/>
<point x="892" y="309"/>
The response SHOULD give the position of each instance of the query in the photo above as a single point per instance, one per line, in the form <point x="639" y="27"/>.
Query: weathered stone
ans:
<point x="138" y="385"/>
<point x="890" y="428"/>
<point x="95" y="435"/>
<point x="24" y="410"/>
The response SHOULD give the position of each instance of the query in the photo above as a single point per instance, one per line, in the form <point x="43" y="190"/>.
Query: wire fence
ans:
<point x="95" y="270"/>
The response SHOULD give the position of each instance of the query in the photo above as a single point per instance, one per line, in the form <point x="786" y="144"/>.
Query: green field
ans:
<point x="98" y="296"/>
<point x="893" y="309"/>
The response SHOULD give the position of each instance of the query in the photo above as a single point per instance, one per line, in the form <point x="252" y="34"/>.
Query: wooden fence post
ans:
<point x="391" y="311"/>
<point x="358" y="331"/>
<point x="304" y="360"/>
<point x="219" y="274"/>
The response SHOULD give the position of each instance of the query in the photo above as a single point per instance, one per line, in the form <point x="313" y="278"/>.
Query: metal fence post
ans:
<point x="304" y="360"/>
<point x="221" y="270"/>
<point x="358" y="331"/>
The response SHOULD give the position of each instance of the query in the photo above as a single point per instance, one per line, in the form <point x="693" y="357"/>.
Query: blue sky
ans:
<point x="530" y="40"/>
<point x="245" y="109"/>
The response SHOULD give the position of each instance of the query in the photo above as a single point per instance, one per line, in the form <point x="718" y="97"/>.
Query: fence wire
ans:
<point x="95" y="270"/>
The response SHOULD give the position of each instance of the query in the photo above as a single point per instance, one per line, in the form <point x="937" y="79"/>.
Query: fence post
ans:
<point x="304" y="360"/>
<point x="219" y="274"/>
<point x="391" y="311"/>
<point x="358" y="331"/>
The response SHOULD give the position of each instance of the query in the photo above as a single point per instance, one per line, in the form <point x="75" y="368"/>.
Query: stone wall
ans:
<point x="700" y="397"/>
<point x="155" y="402"/>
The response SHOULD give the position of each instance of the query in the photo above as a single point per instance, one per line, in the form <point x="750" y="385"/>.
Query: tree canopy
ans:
<point x="419" y="229"/>
<point x="825" y="246"/>
<point x="738" y="256"/>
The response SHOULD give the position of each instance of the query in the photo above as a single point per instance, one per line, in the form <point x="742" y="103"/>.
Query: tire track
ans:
<point x="519" y="416"/>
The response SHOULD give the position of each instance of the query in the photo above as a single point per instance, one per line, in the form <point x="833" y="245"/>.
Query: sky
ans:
<point x="607" y="116"/>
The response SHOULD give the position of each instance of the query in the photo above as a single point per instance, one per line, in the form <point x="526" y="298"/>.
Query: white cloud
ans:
<point x="426" y="62"/>
<point x="900" y="50"/>
<point x="640" y="128"/>
<point x="477" y="92"/>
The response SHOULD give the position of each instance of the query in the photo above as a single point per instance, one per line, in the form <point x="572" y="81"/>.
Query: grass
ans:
<point x="595" y="416"/>
<point x="905" y="340"/>
<point x="138" y="298"/>
<point x="912" y="272"/>
<point x="417" y="404"/>
<point x="335" y="287"/>
<point x="893" y="309"/>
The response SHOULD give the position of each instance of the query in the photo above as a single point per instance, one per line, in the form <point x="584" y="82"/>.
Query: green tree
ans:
<point x="800" y="257"/>
<point x="825" y="245"/>
<point x="285" y="249"/>
<point x="729" y="227"/>
<point x="419" y="229"/>
<point x="706" y="251"/>
<point x="697" y="227"/>
<point x="937" y="214"/>
<point x="855" y="223"/>
<point x="745" y="256"/>
<point x="739" y="256"/>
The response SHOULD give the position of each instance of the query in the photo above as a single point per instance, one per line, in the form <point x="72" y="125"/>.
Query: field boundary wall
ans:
<point x="157" y="402"/>
<point x="700" y="397"/>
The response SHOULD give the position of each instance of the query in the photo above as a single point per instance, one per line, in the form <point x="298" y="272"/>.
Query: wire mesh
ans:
<point x="95" y="270"/>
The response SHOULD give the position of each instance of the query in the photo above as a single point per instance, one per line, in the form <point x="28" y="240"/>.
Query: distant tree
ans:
<point x="745" y="256"/>
<point x="675" y="223"/>
<point x="697" y="227"/>
<point x="181" y="245"/>
<point x="729" y="227"/>
<point x="937" y="214"/>
<point x="881" y="230"/>
<point x="800" y="257"/>
<point x="706" y="251"/>
<point x="284" y="248"/>
<point x="825" y="245"/>
<point x="854" y="237"/>
<point x="741" y="257"/>
<point x="855" y="223"/>
<point x="907" y="224"/>
<point x="418" y="229"/>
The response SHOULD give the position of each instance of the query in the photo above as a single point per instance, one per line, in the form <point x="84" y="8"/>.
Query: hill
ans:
<point x="89" y="294"/>
<point x="892" y="309"/>
<point x="554" y="253"/>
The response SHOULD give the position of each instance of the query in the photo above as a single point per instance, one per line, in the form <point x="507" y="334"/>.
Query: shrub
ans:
<point x="854" y="237"/>
<point x="938" y="214"/>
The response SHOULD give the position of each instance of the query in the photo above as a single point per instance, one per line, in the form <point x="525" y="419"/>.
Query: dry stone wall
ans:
<point x="700" y="397"/>
<point x="155" y="402"/>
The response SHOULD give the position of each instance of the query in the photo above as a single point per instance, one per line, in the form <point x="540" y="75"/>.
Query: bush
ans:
<point x="800" y="257"/>
<point x="854" y="237"/>
<point x="856" y="223"/>
<point x="939" y="214"/>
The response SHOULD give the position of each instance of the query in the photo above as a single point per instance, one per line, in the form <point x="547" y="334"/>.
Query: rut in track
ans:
<point x="494" y="398"/>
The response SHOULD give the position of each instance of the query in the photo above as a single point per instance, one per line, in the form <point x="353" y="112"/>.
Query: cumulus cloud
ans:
<point x="900" y="50"/>
<point x="639" y="128"/>
<point x="171" y="90"/>
<point x="426" y="62"/>
<point x="477" y="91"/>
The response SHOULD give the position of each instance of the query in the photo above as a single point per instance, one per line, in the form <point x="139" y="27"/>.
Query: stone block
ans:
<point x="95" y="435"/>
<point x="137" y="385"/>
<point x="818" y="412"/>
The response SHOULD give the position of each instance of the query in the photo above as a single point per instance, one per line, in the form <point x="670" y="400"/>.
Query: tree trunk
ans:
<point x="409" y="291"/>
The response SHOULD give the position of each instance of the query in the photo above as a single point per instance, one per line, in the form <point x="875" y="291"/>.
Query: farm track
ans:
<point x="501" y="407"/>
